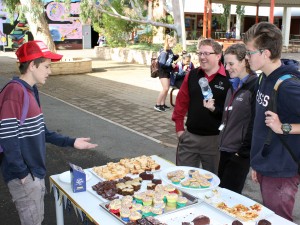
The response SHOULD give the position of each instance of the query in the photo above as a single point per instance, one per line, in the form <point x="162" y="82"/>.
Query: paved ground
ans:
<point x="121" y="94"/>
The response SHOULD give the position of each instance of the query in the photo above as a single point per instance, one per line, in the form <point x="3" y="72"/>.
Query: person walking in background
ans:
<point x="166" y="59"/>
<point x="199" y="142"/>
<point x="237" y="122"/>
<point x="101" y="40"/>
<point x="24" y="143"/>
<point x="181" y="68"/>
<point x="272" y="165"/>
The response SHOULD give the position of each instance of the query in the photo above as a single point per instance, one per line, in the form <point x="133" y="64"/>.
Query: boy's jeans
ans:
<point x="29" y="199"/>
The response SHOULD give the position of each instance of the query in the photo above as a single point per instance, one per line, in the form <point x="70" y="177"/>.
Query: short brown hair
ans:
<point x="239" y="50"/>
<point x="265" y="36"/>
<point x="24" y="66"/>
<point x="211" y="42"/>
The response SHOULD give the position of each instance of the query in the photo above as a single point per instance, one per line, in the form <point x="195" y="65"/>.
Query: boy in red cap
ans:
<point x="23" y="133"/>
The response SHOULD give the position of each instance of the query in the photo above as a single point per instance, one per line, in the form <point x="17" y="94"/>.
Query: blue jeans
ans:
<point x="279" y="194"/>
<point x="29" y="199"/>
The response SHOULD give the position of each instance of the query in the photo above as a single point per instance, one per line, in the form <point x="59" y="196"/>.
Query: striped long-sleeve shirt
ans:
<point x="24" y="146"/>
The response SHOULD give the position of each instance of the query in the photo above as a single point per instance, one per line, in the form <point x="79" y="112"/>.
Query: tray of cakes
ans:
<point x="126" y="167"/>
<point x="162" y="200"/>
<point x="113" y="189"/>
<point x="237" y="206"/>
<point x="190" y="178"/>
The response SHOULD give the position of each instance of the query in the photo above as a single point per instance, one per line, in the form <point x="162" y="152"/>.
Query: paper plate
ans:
<point x="66" y="177"/>
<point x="214" y="183"/>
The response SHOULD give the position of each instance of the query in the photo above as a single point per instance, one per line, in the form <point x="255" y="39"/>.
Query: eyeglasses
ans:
<point x="249" y="53"/>
<point x="206" y="54"/>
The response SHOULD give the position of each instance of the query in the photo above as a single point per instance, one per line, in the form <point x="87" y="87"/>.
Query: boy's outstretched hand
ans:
<point x="84" y="143"/>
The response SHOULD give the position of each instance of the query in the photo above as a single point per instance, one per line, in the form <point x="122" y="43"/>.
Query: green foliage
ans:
<point x="240" y="10"/>
<point x="145" y="46"/>
<point x="177" y="49"/>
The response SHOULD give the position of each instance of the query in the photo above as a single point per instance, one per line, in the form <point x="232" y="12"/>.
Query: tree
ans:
<point x="33" y="11"/>
<point x="94" y="9"/>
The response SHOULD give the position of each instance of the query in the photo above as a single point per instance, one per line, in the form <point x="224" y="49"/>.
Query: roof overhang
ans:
<point x="278" y="3"/>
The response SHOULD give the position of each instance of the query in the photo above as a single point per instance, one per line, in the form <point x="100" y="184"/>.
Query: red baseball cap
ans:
<point x="36" y="49"/>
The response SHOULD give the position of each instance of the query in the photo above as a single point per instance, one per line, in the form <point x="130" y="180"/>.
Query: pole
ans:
<point x="183" y="36"/>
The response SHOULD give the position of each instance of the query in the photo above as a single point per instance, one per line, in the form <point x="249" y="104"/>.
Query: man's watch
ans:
<point x="286" y="128"/>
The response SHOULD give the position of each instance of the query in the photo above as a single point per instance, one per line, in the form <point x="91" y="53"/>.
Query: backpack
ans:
<point x="24" y="109"/>
<point x="273" y="107"/>
<point x="154" y="68"/>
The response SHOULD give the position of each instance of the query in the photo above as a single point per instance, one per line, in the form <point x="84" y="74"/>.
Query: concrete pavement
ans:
<point x="122" y="94"/>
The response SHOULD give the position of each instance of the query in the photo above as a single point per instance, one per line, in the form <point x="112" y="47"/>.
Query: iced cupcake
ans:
<point x="134" y="216"/>
<point x="205" y="184"/>
<point x="147" y="201"/>
<point x="195" y="184"/>
<point x="208" y="177"/>
<point x="171" y="199"/>
<point x="185" y="183"/>
<point x="114" y="206"/>
<point x="159" y="187"/>
<point x="170" y="188"/>
<point x="137" y="207"/>
<point x="157" y="201"/>
<point x="175" y="180"/>
<point x="138" y="197"/>
<point x="156" y="211"/>
<point x="181" y="201"/>
<point x="146" y="211"/>
<point x="124" y="214"/>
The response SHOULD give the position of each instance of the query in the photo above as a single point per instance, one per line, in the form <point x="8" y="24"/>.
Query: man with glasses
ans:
<point x="272" y="165"/>
<point x="198" y="142"/>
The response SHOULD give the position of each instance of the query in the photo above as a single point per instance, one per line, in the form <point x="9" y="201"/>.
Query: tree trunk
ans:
<point x="37" y="22"/>
<point x="178" y="21"/>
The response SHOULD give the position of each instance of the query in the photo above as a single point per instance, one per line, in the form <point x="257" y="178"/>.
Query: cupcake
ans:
<point x="127" y="198"/>
<point x="181" y="201"/>
<point x="150" y="193"/>
<point x="124" y="214"/>
<point x="159" y="187"/>
<point x="138" y="197"/>
<point x="126" y="204"/>
<point x="175" y="180"/>
<point x="185" y="183"/>
<point x="171" y="199"/>
<point x="137" y="207"/>
<point x="191" y="172"/>
<point x="205" y="184"/>
<point x="147" y="200"/>
<point x="134" y="216"/>
<point x="156" y="211"/>
<point x="170" y="188"/>
<point x="208" y="177"/>
<point x="146" y="211"/>
<point x="157" y="201"/>
<point x="194" y="184"/>
<point x="114" y="206"/>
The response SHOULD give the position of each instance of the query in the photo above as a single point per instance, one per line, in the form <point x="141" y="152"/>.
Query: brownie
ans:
<point x="264" y="222"/>
<point x="156" y="181"/>
<point x="236" y="222"/>
<point x="186" y="223"/>
<point x="201" y="220"/>
<point x="146" y="176"/>
<point x="143" y="221"/>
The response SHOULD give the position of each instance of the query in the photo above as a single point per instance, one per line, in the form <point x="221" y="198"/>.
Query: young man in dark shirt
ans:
<point x="272" y="165"/>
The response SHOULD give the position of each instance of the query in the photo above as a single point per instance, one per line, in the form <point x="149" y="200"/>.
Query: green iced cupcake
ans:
<point x="181" y="201"/>
<point x="146" y="211"/>
<point x="138" y="197"/>
<point x="147" y="201"/>
<point x="175" y="180"/>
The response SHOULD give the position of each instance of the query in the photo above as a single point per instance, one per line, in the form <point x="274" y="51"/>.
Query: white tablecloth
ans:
<point x="88" y="203"/>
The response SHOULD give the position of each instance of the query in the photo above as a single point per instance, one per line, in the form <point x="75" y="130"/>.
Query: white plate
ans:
<point x="231" y="199"/>
<point x="66" y="176"/>
<point x="189" y="213"/>
<point x="214" y="183"/>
